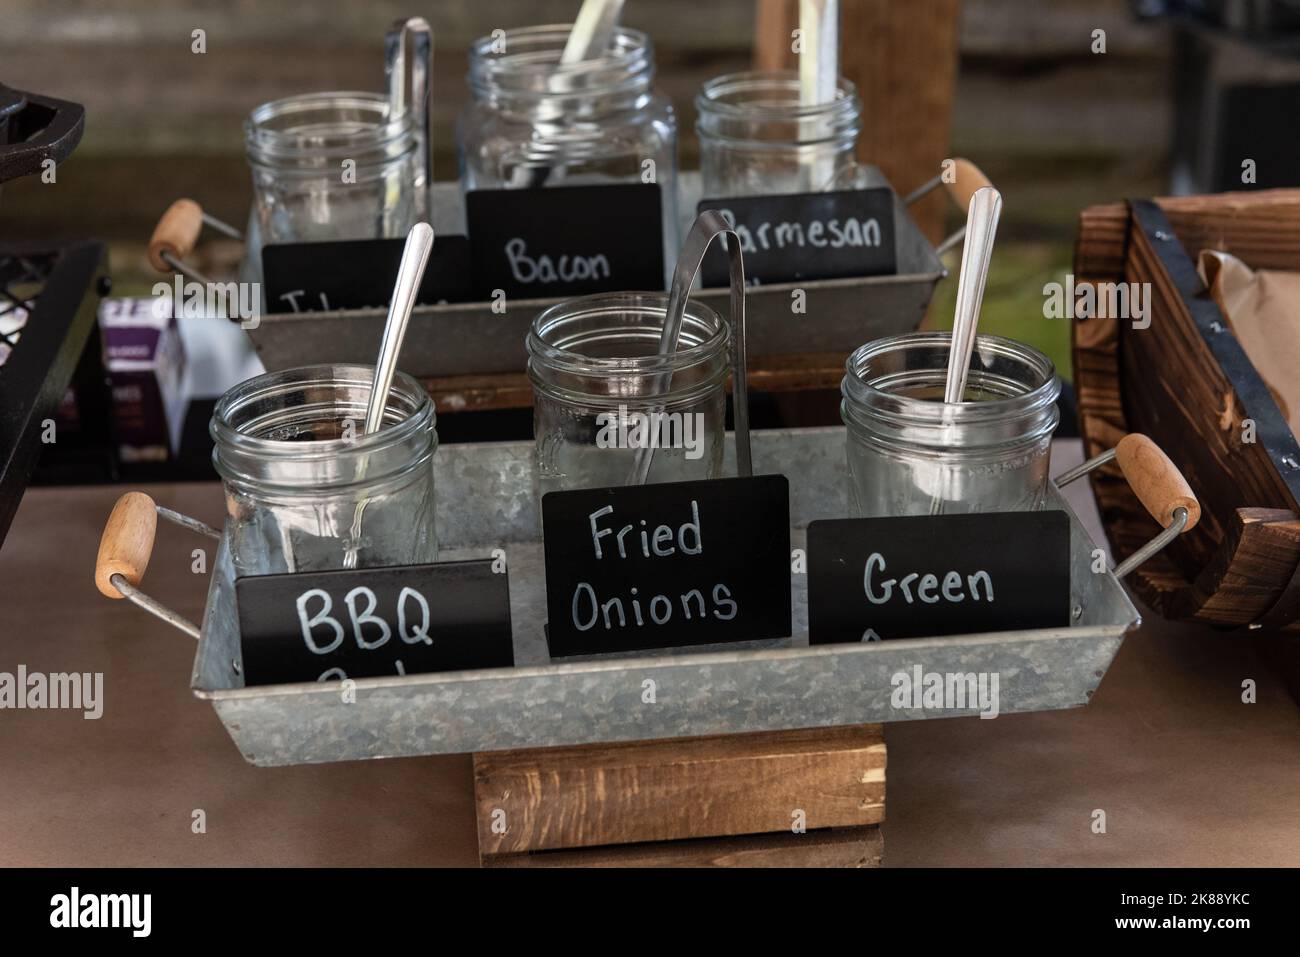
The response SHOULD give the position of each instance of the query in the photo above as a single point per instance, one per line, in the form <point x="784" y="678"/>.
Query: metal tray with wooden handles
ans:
<point x="458" y="339"/>
<point x="485" y="501"/>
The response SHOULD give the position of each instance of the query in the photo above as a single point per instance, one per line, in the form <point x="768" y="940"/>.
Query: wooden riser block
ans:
<point x="837" y="847"/>
<point x="553" y="798"/>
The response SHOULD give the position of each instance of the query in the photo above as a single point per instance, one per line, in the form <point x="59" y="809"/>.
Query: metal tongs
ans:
<point x="708" y="226"/>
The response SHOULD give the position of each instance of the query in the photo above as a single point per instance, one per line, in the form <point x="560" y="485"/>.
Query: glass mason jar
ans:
<point x="910" y="453"/>
<point x="307" y="489"/>
<point x="756" y="139"/>
<point x="600" y="395"/>
<point x="330" y="166"/>
<point x="534" y="122"/>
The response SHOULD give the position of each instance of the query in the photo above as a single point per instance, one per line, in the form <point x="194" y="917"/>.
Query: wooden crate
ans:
<point x="1186" y="383"/>
<point x="798" y="798"/>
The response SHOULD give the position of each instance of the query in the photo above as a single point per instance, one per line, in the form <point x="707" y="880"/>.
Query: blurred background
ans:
<point x="1019" y="87"/>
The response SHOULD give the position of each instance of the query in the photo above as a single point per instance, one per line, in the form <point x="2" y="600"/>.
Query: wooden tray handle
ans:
<point x="969" y="178"/>
<point x="1156" y="480"/>
<point x="127" y="542"/>
<point x="176" y="233"/>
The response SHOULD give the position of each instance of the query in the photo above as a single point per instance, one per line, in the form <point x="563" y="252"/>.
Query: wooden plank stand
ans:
<point x="804" y="798"/>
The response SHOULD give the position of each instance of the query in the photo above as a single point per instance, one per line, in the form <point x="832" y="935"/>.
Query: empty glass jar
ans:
<point x="756" y="139"/>
<point x="330" y="166"/>
<point x="307" y="489"/>
<point x="602" y="394"/>
<point x="909" y="453"/>
<point x="535" y="122"/>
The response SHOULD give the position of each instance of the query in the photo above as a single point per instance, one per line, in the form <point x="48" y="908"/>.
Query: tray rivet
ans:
<point x="1076" y="611"/>
<point x="1163" y="235"/>
<point x="235" y="665"/>
<point x="1216" y="326"/>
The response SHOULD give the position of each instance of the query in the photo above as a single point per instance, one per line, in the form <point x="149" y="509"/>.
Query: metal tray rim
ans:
<point x="589" y="666"/>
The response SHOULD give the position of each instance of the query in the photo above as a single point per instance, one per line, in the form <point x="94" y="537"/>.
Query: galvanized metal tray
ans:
<point x="469" y="338"/>
<point x="485" y="501"/>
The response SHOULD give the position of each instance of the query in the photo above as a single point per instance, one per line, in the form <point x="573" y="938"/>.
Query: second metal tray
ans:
<point x="469" y="338"/>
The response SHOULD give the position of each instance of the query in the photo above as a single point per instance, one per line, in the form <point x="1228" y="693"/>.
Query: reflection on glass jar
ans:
<point x="330" y="166"/>
<point x="756" y="138"/>
<point x="909" y="453"/>
<point x="304" y="484"/>
<point x="535" y="122"/>
<point x="602" y="393"/>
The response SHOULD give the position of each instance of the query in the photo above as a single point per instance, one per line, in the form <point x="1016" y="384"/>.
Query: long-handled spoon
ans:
<point x="819" y="76"/>
<point x="592" y="33"/>
<point x="415" y="256"/>
<point x="977" y="250"/>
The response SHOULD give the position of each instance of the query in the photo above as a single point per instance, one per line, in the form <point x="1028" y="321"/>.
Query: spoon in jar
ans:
<point x="415" y="256"/>
<point x="977" y="250"/>
<point x="592" y="33"/>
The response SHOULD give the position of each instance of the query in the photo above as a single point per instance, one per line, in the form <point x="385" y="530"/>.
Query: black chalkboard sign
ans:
<point x="371" y="622"/>
<point x="566" y="240"/>
<point x="359" y="274"/>
<point x="806" y="236"/>
<point x="928" y="576"/>
<point x="666" y="566"/>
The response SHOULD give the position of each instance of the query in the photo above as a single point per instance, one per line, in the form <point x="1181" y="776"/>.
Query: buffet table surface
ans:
<point x="1187" y="774"/>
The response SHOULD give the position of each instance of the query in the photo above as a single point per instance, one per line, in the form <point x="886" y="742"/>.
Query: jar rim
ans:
<point x="696" y="314"/>
<point x="709" y="99"/>
<point x="265" y="144"/>
<point x="628" y="62"/>
<point x="227" y="434"/>
<point x="862" y="392"/>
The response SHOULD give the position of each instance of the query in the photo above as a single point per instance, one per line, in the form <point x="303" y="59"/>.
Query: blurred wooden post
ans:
<point x="903" y="59"/>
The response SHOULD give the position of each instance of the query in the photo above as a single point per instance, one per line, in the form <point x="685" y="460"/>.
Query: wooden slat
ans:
<point x="903" y="59"/>
<point x="552" y="798"/>
<point x="512" y="390"/>
<point x="837" y="847"/>
<point x="774" y="20"/>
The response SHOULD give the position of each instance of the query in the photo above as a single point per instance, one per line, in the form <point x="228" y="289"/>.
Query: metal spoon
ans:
<point x="977" y="250"/>
<point x="415" y="256"/>
<point x="592" y="33"/>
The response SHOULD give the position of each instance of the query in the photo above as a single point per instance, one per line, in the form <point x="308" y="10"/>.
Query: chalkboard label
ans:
<point x="566" y="240"/>
<point x="373" y="622"/>
<point x="666" y="566"/>
<point x="910" y="577"/>
<point x="359" y="274"/>
<point x="806" y="236"/>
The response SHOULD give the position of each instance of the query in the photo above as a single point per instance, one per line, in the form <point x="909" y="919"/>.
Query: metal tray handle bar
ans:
<point x="964" y="180"/>
<point x="177" y="233"/>
<point x="1159" y="486"/>
<point x="126" y="547"/>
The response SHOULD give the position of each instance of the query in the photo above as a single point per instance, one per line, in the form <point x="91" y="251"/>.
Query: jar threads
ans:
<point x="294" y="470"/>
<point x="908" y="450"/>
<point x="595" y="361"/>
<point x="756" y="138"/>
